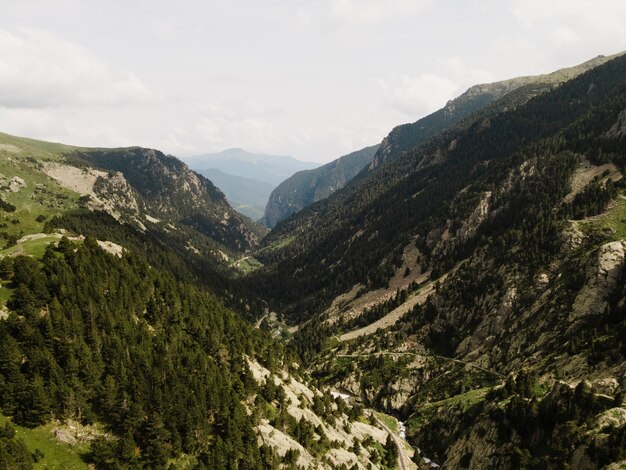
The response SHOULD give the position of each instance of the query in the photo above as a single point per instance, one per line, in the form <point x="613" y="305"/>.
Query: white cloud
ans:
<point x="370" y="11"/>
<point x="65" y="126"/>
<point x="564" y="36"/>
<point x="583" y="10"/>
<point x="569" y="18"/>
<point x="342" y="13"/>
<point x="241" y="123"/>
<point x="416" y="96"/>
<point x="41" y="70"/>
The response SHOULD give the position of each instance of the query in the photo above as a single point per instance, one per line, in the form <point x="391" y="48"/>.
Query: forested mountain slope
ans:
<point x="359" y="233"/>
<point x="471" y="282"/>
<point x="147" y="371"/>
<point x="480" y="295"/>
<point x="141" y="187"/>
<point x="119" y="345"/>
<point x="248" y="196"/>
<point x="309" y="186"/>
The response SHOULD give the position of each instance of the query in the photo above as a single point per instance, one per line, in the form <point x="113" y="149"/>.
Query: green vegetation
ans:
<point x="484" y="202"/>
<point x="358" y="233"/>
<point x="36" y="199"/>
<point x="166" y="251"/>
<point x="464" y="401"/>
<point x="378" y="311"/>
<point x="389" y="421"/>
<point x="611" y="223"/>
<point x="146" y="347"/>
<point x="277" y="245"/>
<point x="56" y="455"/>
<point x="81" y="305"/>
<point x="35" y="247"/>
<point x="247" y="265"/>
<point x="13" y="146"/>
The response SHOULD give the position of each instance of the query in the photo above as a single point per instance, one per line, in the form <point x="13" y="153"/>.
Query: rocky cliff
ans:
<point x="309" y="186"/>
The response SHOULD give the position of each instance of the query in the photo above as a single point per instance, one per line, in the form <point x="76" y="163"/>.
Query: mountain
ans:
<point x="474" y="285"/>
<point x="123" y="340"/>
<point x="334" y="230"/>
<point x="461" y="302"/>
<point x="272" y="169"/>
<point x="407" y="136"/>
<point x="132" y="197"/>
<point x="141" y="187"/>
<point x="245" y="195"/>
<point x="309" y="186"/>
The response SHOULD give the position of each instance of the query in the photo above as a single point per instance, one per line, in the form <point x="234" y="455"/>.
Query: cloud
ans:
<point x="422" y="94"/>
<point x="241" y="123"/>
<point x="343" y="13"/>
<point x="370" y="11"/>
<point x="41" y="70"/>
<point x="583" y="10"/>
<point x="416" y="96"/>
<point x="570" y="18"/>
<point x="61" y="125"/>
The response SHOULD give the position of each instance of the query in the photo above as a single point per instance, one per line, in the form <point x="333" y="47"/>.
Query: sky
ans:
<point x="312" y="79"/>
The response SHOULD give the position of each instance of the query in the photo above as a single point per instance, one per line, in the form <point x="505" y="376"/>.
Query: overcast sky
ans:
<point x="312" y="79"/>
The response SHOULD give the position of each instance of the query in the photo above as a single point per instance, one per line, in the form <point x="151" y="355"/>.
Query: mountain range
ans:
<point x="455" y="296"/>
<point x="474" y="278"/>
<point x="246" y="195"/>
<point x="247" y="179"/>
<point x="272" y="169"/>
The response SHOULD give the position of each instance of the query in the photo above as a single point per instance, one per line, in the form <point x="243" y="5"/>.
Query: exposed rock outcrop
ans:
<point x="602" y="277"/>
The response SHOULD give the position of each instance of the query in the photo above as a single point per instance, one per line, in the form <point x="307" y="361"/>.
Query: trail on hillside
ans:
<point x="436" y="356"/>
<point x="404" y="461"/>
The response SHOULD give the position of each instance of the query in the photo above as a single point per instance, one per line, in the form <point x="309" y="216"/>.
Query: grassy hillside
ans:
<point x="31" y="196"/>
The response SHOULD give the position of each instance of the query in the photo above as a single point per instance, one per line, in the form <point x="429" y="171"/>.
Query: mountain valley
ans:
<point x="453" y="297"/>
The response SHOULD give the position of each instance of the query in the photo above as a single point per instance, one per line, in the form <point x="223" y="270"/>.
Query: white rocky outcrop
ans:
<point x="476" y="218"/>
<point x="107" y="191"/>
<point x="618" y="129"/>
<point x="603" y="274"/>
<point x="13" y="184"/>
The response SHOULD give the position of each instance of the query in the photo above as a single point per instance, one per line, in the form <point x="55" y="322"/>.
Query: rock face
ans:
<point x="618" y="130"/>
<point x="602" y="277"/>
<point x="300" y="398"/>
<point x="470" y="226"/>
<point x="309" y="186"/>
<point x="13" y="184"/>
<point x="168" y="191"/>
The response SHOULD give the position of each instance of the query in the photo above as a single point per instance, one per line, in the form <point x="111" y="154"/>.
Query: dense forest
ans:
<point x="94" y="337"/>
<point x="502" y="223"/>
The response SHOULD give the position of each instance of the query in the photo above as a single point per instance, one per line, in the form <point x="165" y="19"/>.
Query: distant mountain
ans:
<point x="309" y="186"/>
<point x="245" y="195"/>
<point x="273" y="169"/>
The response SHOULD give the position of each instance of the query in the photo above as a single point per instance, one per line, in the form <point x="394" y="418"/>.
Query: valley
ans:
<point x="454" y="297"/>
